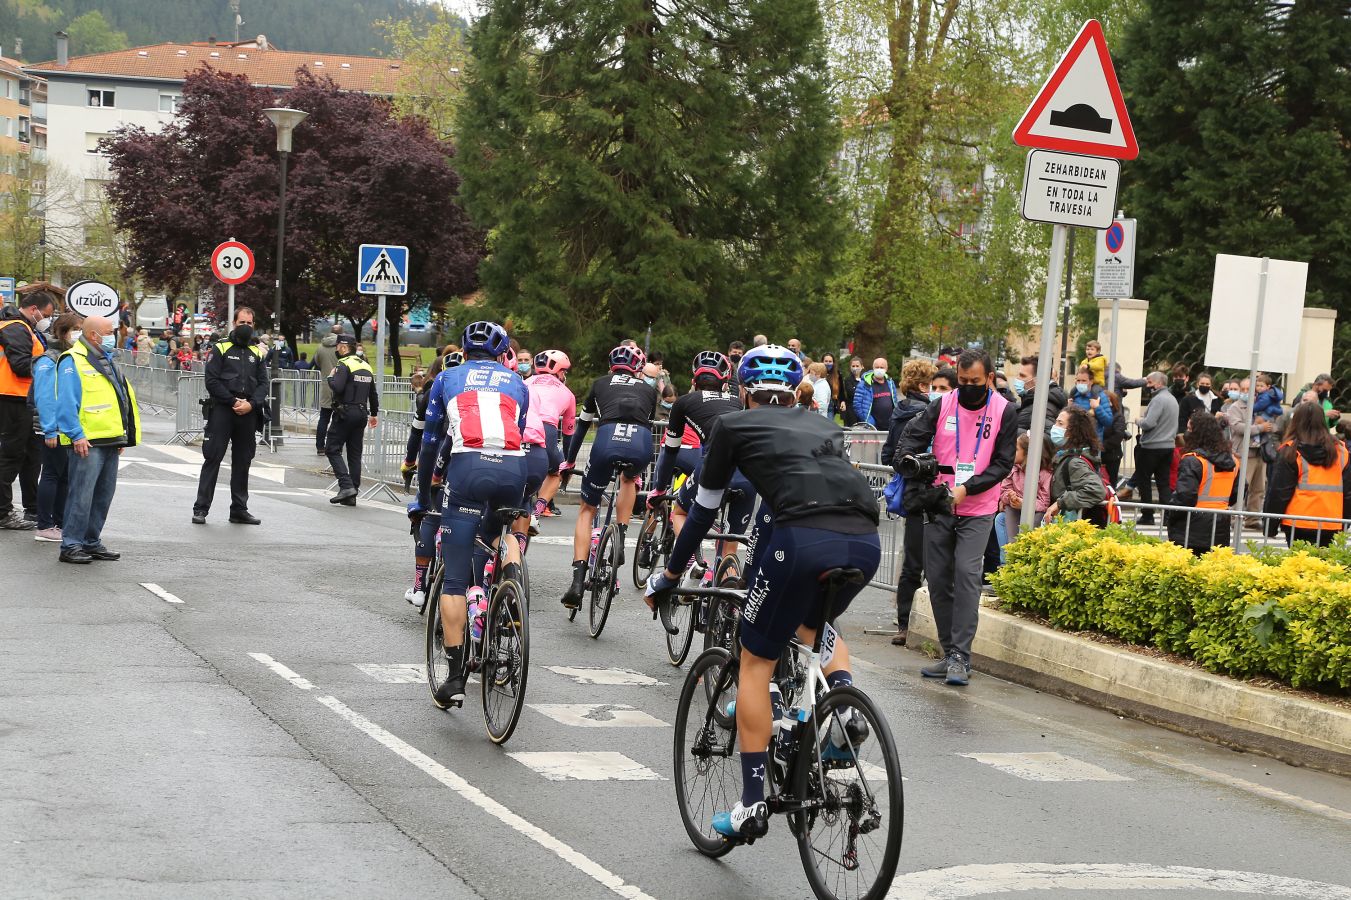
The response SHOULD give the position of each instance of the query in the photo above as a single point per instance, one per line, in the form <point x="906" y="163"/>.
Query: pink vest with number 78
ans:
<point x="980" y="431"/>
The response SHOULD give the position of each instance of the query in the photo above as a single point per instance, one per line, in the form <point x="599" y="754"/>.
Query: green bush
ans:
<point x="1285" y="615"/>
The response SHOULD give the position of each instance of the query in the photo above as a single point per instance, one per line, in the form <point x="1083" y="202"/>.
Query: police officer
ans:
<point x="353" y="384"/>
<point x="237" y="385"/>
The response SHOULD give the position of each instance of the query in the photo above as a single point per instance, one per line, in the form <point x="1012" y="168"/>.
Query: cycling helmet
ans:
<point x="711" y="362"/>
<point x="770" y="368"/>
<point x="626" y="358"/>
<point x="552" y="362"/>
<point x="509" y="358"/>
<point x="486" y="337"/>
<point x="452" y="359"/>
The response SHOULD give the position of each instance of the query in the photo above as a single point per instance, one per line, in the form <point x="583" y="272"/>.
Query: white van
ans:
<point x="153" y="314"/>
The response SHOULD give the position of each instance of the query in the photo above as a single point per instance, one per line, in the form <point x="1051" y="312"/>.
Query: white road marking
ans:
<point x="598" y="715"/>
<point x="549" y="540"/>
<point x="873" y="774"/>
<point x="1045" y="767"/>
<point x="1330" y="812"/>
<point x="587" y="765"/>
<point x="284" y="672"/>
<point x="395" y="673"/>
<point x="1056" y="878"/>
<point x="598" y="675"/>
<point x="445" y="776"/>
<point x="186" y="486"/>
<point x="160" y="593"/>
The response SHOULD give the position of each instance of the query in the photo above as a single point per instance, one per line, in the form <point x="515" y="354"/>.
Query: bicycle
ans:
<point x="689" y="616"/>
<point x="841" y="793"/>
<point x="655" y="540"/>
<point x="501" y="655"/>
<point x="603" y="563"/>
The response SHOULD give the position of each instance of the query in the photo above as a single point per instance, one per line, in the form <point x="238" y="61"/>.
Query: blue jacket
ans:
<point x="1103" y="414"/>
<point x="863" y="398"/>
<point x="44" y="395"/>
<point x="1268" y="405"/>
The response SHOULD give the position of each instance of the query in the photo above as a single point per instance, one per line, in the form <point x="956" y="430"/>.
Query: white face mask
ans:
<point x="43" y="324"/>
<point x="75" y="336"/>
<point x="879" y="373"/>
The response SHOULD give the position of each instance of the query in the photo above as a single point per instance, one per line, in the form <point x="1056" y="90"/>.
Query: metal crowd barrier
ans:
<point x="1163" y="514"/>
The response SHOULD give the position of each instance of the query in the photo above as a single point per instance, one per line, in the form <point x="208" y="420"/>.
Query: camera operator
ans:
<point x="974" y="433"/>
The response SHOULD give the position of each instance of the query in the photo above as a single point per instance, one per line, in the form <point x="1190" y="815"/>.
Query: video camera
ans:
<point x="922" y="496"/>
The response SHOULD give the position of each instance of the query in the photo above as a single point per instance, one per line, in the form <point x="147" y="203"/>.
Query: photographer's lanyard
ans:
<point x="964" y="471"/>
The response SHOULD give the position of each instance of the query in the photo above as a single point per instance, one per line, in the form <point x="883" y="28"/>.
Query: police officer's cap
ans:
<point x="347" y="339"/>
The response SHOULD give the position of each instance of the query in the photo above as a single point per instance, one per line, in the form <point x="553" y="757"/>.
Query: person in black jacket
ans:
<point x="1308" y="446"/>
<point x="1208" y="464"/>
<point x="1203" y="399"/>
<point x="237" y="385"/>
<point x="1025" y="386"/>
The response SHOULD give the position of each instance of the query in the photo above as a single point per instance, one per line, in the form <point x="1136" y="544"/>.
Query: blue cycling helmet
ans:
<point x="770" y="368"/>
<point x="486" y="337"/>
<point x="626" y="358"/>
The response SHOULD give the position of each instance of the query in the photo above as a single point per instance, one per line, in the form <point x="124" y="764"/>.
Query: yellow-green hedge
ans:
<point x="1284" y="615"/>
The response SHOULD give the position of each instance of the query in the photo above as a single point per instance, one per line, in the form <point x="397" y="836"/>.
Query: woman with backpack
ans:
<point x="1077" y="486"/>
<point x="1207" y="478"/>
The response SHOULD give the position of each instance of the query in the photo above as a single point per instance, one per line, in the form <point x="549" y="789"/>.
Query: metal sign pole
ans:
<point x="1111" y="352"/>
<point x="1045" y="366"/>
<point x="230" y="304"/>
<point x="1237" y="536"/>
<point x="380" y="336"/>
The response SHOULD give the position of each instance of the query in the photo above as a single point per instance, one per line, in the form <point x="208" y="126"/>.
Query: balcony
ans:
<point x="40" y="112"/>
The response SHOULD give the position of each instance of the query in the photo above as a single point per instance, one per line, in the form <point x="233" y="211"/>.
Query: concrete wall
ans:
<point x="1315" y="346"/>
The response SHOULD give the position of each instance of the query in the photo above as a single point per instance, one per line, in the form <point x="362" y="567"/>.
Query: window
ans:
<point x="101" y="98"/>
<point x="24" y="133"/>
<point x="168" y="103"/>
<point x="6" y="127"/>
<point x="11" y="88"/>
<point x="91" y="141"/>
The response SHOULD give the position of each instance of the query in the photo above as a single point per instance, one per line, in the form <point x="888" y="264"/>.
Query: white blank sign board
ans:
<point x="1233" y="313"/>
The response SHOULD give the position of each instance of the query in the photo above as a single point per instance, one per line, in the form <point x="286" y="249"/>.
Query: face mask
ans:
<point x="242" y="334"/>
<point x="43" y="324"/>
<point x="650" y="379"/>
<point x="523" y="368"/>
<point x="830" y="367"/>
<point x="1323" y="395"/>
<point x="1235" y="395"/>
<point x="109" y="342"/>
<point x="1057" y="435"/>
<point x="934" y="395"/>
<point x="1081" y="388"/>
<point x="972" y="396"/>
<point x="1204" y="390"/>
<point x="75" y="336"/>
<point x="879" y="374"/>
<point x="1019" y="387"/>
<point x="361" y="354"/>
<point x="857" y="372"/>
<point x="735" y="358"/>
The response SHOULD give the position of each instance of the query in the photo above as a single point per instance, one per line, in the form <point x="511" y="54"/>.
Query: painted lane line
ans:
<point x="598" y="715"/>
<point x="1045" y="766"/>
<point x="409" y="753"/>
<point x="400" y="673"/>
<point x="185" y="486"/>
<point x="160" y="592"/>
<point x="1313" y="806"/>
<point x="591" y="765"/>
<point x="1054" y="879"/>
<point x="284" y="672"/>
<point x="599" y="675"/>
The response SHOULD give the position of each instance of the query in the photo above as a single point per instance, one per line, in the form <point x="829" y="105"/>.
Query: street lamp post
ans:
<point x="285" y="119"/>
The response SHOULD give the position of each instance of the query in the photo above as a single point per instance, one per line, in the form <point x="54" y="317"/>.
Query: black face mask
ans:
<point x="972" y="396"/>
<point x="1323" y="395"/>
<point x="243" y="334"/>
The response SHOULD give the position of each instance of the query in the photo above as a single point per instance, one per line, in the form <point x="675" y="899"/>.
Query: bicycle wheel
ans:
<point x="849" y="833"/>
<point x="728" y="573"/>
<point x="683" y="610"/>
<point x="707" y="768"/>
<point x="433" y="577"/>
<point x="604" y="579"/>
<point x="649" y="547"/>
<point x="506" y="661"/>
<point x="438" y="669"/>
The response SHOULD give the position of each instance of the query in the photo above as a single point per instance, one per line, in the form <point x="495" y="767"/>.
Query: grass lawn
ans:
<point x="427" y="353"/>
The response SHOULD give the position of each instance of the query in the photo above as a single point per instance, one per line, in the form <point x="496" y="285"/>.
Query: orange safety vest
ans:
<point x="12" y="385"/>
<point x="1216" y="486"/>
<point x="1318" y="494"/>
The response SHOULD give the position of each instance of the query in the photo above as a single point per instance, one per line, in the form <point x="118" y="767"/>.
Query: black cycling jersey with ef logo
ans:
<point x="620" y="398"/>
<point x="699" y="410"/>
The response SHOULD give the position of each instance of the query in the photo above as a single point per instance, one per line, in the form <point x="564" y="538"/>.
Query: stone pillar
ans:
<point x="1130" y="355"/>
<point x="1315" y="348"/>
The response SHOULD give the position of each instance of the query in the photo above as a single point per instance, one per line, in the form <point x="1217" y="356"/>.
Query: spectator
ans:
<point x="124" y="317"/>
<point x="917" y="381"/>
<point x="875" y="397"/>
<point x="185" y="357"/>
<point x="848" y="388"/>
<point x="303" y="364"/>
<point x="759" y="341"/>
<point x="666" y="395"/>
<point x="1236" y="413"/>
<point x="20" y="448"/>
<point x="96" y="413"/>
<point x="162" y="345"/>
<point x="145" y="348"/>
<point x="525" y="361"/>
<point x="1203" y="399"/>
<point x="1181" y="378"/>
<point x="821" y="394"/>
<point x="735" y="351"/>
<point x="1322" y="387"/>
<point x="1096" y="364"/>
<point x="1001" y="386"/>
<point x="130" y="344"/>
<point x="1009" y="521"/>
<point x="1025" y="386"/>
<point x="1310" y="478"/>
<point x="1077" y="490"/>
<point x="1091" y="398"/>
<point x="1268" y="400"/>
<point x="1154" y="448"/>
<point x="325" y="360"/>
<point x="1207" y="478"/>
<point x="279" y="350"/>
<point x="805" y="396"/>
<point x="1114" y="439"/>
<point x="796" y="346"/>
<point x="52" y="486"/>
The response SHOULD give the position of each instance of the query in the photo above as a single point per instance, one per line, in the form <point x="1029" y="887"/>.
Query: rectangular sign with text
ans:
<point x="1068" y="189"/>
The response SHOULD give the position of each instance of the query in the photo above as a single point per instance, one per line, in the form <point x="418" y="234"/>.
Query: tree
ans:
<point x="430" y="82"/>
<point x="358" y="175"/>
<point x="91" y="33"/>
<point x="1241" y="111"/>
<point x="652" y="163"/>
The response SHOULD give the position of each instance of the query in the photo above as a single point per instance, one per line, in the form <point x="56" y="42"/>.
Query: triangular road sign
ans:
<point x="1080" y="108"/>
<point x="382" y="271"/>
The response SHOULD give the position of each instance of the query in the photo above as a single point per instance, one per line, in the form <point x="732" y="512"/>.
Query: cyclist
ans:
<point x="425" y="512"/>
<point x="817" y="513"/>
<point x="623" y="403"/>
<point x="696" y="412"/>
<point x="553" y="411"/>
<point x="484" y="405"/>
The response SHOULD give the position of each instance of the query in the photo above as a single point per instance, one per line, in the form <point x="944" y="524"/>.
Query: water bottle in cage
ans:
<point x="595" y="540"/>
<point x="488" y="569"/>
<point x="478" y="605"/>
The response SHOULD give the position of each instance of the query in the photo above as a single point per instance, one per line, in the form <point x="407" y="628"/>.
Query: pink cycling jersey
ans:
<point x="551" y="403"/>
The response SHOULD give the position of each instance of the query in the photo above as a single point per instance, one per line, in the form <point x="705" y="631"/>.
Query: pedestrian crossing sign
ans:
<point x="382" y="269"/>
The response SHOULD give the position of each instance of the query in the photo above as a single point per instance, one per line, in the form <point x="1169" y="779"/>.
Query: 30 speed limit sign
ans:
<point x="232" y="262"/>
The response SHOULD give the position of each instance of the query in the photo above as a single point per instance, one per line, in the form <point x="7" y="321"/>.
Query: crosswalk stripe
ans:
<point x="1045" y="766"/>
<point x="598" y="715"/>
<point x="586" y="765"/>
<point x="600" y="675"/>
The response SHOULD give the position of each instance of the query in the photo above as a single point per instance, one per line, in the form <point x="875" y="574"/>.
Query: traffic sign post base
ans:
<point x="1036" y="435"/>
